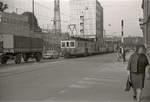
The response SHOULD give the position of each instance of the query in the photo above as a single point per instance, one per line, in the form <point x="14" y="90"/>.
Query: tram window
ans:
<point x="72" y="44"/>
<point x="86" y="44"/>
<point x="5" y="20"/>
<point x="79" y="44"/>
<point x="67" y="44"/>
<point x="63" y="44"/>
<point x="0" y="18"/>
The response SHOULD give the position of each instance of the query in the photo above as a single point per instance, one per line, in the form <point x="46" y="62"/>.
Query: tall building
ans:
<point x="57" y="18"/>
<point x="146" y="22"/>
<point x="87" y="16"/>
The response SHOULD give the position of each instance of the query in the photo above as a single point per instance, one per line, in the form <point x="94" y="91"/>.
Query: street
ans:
<point x="90" y="79"/>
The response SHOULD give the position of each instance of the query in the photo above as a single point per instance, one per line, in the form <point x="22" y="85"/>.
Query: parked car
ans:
<point x="51" y="54"/>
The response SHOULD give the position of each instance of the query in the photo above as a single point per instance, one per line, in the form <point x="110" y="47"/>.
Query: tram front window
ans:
<point x="63" y="44"/>
<point x="72" y="44"/>
<point x="67" y="44"/>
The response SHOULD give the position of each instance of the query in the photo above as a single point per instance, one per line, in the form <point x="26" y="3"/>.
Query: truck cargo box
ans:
<point x="37" y="43"/>
<point x="22" y="42"/>
<point x="13" y="43"/>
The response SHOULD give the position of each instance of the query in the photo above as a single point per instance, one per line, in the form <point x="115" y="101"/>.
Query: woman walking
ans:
<point x="136" y="70"/>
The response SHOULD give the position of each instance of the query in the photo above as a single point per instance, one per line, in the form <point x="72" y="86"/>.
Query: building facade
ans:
<point x="146" y="22"/>
<point x="12" y="23"/>
<point x="87" y="15"/>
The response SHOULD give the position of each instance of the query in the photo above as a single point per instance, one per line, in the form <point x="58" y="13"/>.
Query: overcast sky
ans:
<point x="114" y="11"/>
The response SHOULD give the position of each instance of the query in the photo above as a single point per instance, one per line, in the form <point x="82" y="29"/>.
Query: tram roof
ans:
<point x="84" y="39"/>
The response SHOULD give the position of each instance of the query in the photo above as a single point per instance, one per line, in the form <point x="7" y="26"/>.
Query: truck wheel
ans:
<point x="25" y="58"/>
<point x="4" y="60"/>
<point x="38" y="57"/>
<point x="18" y="59"/>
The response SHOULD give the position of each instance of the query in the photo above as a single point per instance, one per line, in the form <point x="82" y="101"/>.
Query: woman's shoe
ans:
<point x="139" y="101"/>
<point x="134" y="98"/>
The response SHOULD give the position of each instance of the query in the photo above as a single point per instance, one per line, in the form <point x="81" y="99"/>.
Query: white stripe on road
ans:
<point x="77" y="86"/>
<point x="62" y="91"/>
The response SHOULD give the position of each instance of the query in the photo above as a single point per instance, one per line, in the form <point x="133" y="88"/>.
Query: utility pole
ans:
<point x="122" y="37"/>
<point x="33" y="15"/>
<point x="122" y="31"/>
<point x="33" y="6"/>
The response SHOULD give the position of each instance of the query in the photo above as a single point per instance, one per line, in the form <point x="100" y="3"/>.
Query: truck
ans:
<point x="20" y="37"/>
<point x="20" y="47"/>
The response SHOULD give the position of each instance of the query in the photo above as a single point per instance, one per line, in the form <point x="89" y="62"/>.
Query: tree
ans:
<point x="3" y="7"/>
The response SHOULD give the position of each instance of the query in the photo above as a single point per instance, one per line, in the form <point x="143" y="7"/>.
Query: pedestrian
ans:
<point x="136" y="71"/>
<point x="119" y="55"/>
<point x="124" y="55"/>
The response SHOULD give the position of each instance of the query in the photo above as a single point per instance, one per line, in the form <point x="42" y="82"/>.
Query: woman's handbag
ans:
<point x="128" y="85"/>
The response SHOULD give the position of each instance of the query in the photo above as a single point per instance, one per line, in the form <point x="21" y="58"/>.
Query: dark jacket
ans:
<point x="133" y="63"/>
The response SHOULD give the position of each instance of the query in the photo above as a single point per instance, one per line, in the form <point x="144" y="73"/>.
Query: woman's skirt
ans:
<point x="137" y="80"/>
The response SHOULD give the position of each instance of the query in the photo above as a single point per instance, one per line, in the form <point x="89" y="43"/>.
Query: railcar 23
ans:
<point x="77" y="47"/>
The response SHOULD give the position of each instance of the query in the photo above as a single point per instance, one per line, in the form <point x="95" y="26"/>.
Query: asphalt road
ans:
<point x="90" y="79"/>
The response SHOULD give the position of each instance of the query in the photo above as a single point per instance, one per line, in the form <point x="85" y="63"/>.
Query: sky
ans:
<point x="114" y="11"/>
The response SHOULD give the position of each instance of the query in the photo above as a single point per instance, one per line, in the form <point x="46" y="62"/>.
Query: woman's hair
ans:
<point x="140" y="46"/>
